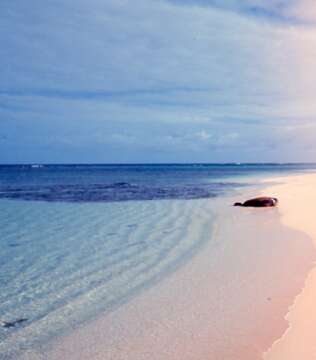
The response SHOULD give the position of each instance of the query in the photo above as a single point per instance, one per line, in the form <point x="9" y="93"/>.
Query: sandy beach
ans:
<point x="298" y="210"/>
<point x="252" y="300"/>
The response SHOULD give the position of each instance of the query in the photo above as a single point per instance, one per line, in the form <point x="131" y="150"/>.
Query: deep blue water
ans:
<point x="108" y="183"/>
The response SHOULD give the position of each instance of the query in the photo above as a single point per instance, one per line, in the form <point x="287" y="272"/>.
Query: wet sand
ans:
<point x="228" y="302"/>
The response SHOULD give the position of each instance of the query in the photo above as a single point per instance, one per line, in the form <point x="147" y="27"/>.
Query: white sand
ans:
<point x="227" y="303"/>
<point x="298" y="210"/>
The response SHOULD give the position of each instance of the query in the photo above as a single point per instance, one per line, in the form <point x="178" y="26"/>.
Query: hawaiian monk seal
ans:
<point x="262" y="201"/>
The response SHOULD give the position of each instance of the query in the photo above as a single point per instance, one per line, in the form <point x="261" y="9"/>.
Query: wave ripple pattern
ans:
<point x="77" y="260"/>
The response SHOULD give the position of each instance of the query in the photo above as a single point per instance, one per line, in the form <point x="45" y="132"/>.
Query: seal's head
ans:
<point x="238" y="204"/>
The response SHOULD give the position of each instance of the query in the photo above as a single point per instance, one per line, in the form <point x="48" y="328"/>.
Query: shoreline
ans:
<point x="206" y="310"/>
<point x="297" y="342"/>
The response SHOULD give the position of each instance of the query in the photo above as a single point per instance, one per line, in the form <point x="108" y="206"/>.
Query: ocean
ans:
<point x="81" y="240"/>
<point x="111" y="183"/>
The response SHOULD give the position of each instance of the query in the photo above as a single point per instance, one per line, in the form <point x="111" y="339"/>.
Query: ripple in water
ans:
<point x="113" y="192"/>
<point x="106" y="183"/>
<point x="62" y="264"/>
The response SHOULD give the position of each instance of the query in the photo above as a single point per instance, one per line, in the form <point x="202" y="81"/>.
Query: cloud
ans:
<point x="203" y="135"/>
<point x="286" y="11"/>
<point x="110" y="81"/>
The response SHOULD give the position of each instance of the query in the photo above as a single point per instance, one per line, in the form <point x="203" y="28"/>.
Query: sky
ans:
<point x="118" y="81"/>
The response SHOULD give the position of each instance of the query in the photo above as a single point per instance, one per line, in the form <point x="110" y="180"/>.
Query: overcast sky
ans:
<point x="157" y="81"/>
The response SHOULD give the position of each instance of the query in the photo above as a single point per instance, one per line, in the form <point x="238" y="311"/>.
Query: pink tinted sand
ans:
<point x="299" y="212"/>
<point x="228" y="303"/>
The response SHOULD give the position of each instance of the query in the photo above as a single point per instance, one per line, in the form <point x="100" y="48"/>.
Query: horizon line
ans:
<point x="155" y="163"/>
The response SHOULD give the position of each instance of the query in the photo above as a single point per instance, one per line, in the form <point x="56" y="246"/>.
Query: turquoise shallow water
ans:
<point x="62" y="264"/>
<point x="65" y="260"/>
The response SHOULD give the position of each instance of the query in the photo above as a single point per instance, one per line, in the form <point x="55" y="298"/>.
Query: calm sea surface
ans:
<point x="108" y="183"/>
<point x="78" y="240"/>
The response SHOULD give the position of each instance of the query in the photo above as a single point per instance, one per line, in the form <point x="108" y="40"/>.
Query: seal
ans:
<point x="261" y="201"/>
